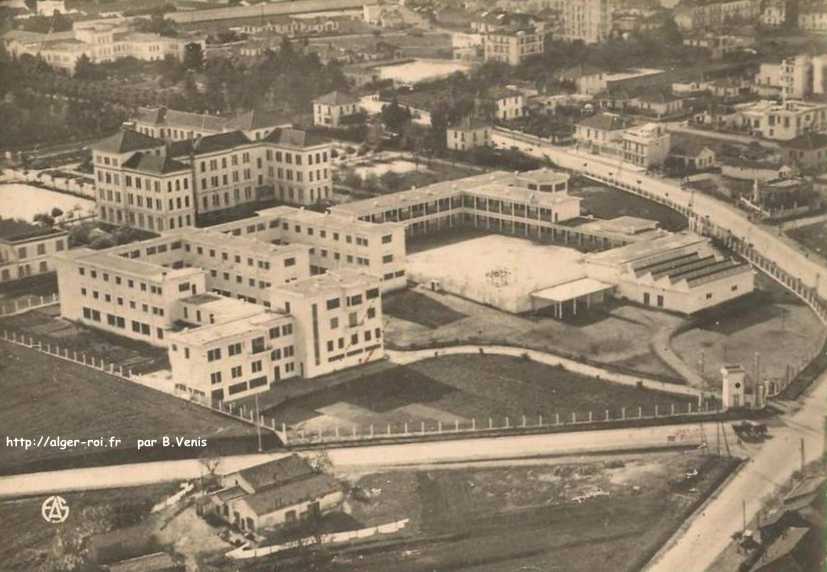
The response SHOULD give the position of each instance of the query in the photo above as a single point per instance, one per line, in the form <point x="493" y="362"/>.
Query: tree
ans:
<point x="394" y="116"/>
<point x="391" y="181"/>
<point x="56" y="212"/>
<point x="44" y="219"/>
<point x="85" y="70"/>
<point x="193" y="56"/>
<point x="157" y="24"/>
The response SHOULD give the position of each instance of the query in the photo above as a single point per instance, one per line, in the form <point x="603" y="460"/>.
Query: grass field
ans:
<point x="415" y="307"/>
<point x="812" y="236"/>
<point x="457" y="388"/>
<point x="47" y="326"/>
<point x="605" y="202"/>
<point x="48" y="396"/>
<point x="32" y="545"/>
<point x="28" y="289"/>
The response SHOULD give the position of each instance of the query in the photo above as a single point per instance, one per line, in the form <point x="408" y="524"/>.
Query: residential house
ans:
<point x="468" y="134"/>
<point x="331" y="108"/>
<point x="657" y="103"/>
<point x="510" y="37"/>
<point x="601" y="133"/>
<point x="808" y="152"/>
<point x="693" y="155"/>
<point x="783" y="121"/>
<point x="646" y="145"/>
<point x="276" y="493"/>
<point x="506" y="103"/>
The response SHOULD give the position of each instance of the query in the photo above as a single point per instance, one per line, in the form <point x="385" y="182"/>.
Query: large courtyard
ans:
<point x="501" y="271"/>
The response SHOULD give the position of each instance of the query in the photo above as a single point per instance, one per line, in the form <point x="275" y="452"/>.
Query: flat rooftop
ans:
<point x="498" y="185"/>
<point x="571" y="290"/>
<point x="331" y="281"/>
<point x="330" y="220"/>
<point x="209" y="333"/>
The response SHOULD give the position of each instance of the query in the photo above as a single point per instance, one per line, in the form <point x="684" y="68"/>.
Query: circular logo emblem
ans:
<point x="55" y="510"/>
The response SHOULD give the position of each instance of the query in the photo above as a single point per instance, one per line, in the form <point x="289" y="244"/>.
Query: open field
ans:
<point x="412" y="306"/>
<point x="32" y="545"/>
<point x="47" y="326"/>
<point x="459" y="388"/>
<point x="605" y="202"/>
<point x="773" y="324"/>
<point x="527" y="516"/>
<point x="614" y="334"/>
<point x="48" y="396"/>
<point x="813" y="236"/>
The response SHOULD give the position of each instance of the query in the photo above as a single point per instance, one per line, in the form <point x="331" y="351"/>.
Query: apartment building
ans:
<point x="774" y="13"/>
<point x="813" y="18"/>
<point x="694" y="15"/>
<point x="157" y="186"/>
<point x="796" y="77"/>
<point x="783" y="121"/>
<point x="329" y="109"/>
<point x="646" y="145"/>
<point x="173" y="125"/>
<point x="602" y="132"/>
<point x="28" y="249"/>
<point x="589" y="21"/>
<point x="338" y="320"/>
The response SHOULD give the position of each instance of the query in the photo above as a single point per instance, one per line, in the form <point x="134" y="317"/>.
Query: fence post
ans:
<point x="371" y="429"/>
<point x="557" y="419"/>
<point x="623" y="413"/>
<point x="640" y="412"/>
<point x="337" y="431"/>
<point x="422" y="426"/>
<point x="389" y="429"/>
<point x="473" y="424"/>
<point x="673" y="408"/>
<point x="590" y="415"/>
<point x="573" y="417"/>
<point x="490" y="423"/>
<point x="439" y="426"/>
<point x="607" y="415"/>
<point x="354" y="431"/>
<point x="456" y="425"/>
<point x="506" y="422"/>
<point x="540" y="420"/>
<point x="523" y="421"/>
<point x="656" y="409"/>
<point x="406" y="427"/>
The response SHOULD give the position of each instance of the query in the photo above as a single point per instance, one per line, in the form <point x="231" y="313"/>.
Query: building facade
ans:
<point x="28" y="249"/>
<point x="157" y="186"/>
<point x="329" y="109"/>
<point x="589" y="21"/>
<point x="783" y="121"/>
<point x="468" y="134"/>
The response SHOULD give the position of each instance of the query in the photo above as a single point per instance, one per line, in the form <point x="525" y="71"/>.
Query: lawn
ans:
<point x="605" y="202"/>
<point x="813" y="236"/>
<point x="458" y="388"/>
<point x="43" y="395"/>
<point x="47" y="326"/>
<point x="28" y="289"/>
<point x="30" y="544"/>
<point x="524" y="517"/>
<point x="415" y="307"/>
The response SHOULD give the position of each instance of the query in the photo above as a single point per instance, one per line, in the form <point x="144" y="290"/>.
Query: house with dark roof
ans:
<point x="601" y="130"/>
<point x="331" y="108"/>
<point x="808" y="152"/>
<point x="657" y="103"/>
<point x="693" y="155"/>
<point x="26" y="249"/>
<point x="173" y="125"/>
<point x="275" y="493"/>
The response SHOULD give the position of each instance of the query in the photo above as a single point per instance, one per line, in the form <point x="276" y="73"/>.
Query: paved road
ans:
<point x="350" y="458"/>
<point x="722" y="136"/>
<point x="708" y="534"/>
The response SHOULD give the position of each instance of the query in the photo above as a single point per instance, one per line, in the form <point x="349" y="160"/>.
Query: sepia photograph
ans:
<point x="413" y="285"/>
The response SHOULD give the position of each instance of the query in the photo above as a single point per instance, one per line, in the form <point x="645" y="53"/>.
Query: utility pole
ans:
<point x="258" y="424"/>
<point x="701" y="363"/>
<point x="744" y="515"/>
<point x="802" y="454"/>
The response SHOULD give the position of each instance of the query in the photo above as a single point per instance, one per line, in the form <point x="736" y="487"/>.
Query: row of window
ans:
<point x="116" y="321"/>
<point x="157" y="290"/>
<point x="40" y="249"/>
<point x="367" y="335"/>
<point x="146" y="308"/>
